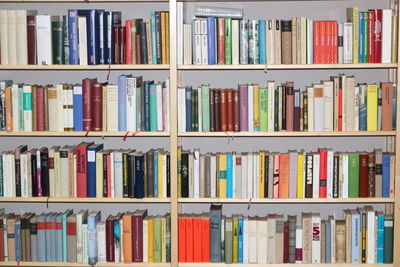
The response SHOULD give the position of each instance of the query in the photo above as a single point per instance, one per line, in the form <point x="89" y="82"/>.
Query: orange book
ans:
<point x="205" y="239"/>
<point x="182" y="239"/>
<point x="335" y="42"/>
<point x="284" y="168"/>
<point x="8" y="100"/>
<point x="189" y="239"/>
<point x="323" y="39"/>
<point x="197" y="229"/>
<point x="163" y="38"/>
<point x="127" y="236"/>
<point x="317" y="42"/>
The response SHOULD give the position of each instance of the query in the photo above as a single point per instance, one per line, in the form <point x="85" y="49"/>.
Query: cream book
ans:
<point x="262" y="239"/>
<point x="4" y="37"/>
<point x="187" y="44"/>
<point x="12" y="36"/>
<point x="252" y="240"/>
<point x="82" y="37"/>
<point x="328" y="105"/>
<point x="44" y="39"/>
<point x="62" y="114"/>
<point x="310" y="99"/>
<point x="316" y="238"/>
<point x="53" y="109"/>
<point x="270" y="41"/>
<point x="112" y="108"/>
<point x="235" y="42"/>
<point x="22" y="36"/>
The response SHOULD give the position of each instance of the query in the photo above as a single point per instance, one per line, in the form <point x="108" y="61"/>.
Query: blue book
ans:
<point x="147" y="105"/>
<point x="58" y="238"/>
<point x="18" y="241"/>
<point x="211" y="40"/>
<point x="122" y="103"/>
<point x="327" y="242"/>
<point x="355" y="236"/>
<point x="41" y="238"/>
<point x="51" y="230"/>
<point x="93" y="37"/>
<point x="111" y="19"/>
<point x="139" y="179"/>
<point x="386" y="175"/>
<point x="91" y="169"/>
<point x="78" y="108"/>
<point x="363" y="108"/>
<point x="380" y="236"/>
<point x="188" y="103"/>
<point x="240" y="243"/>
<point x="102" y="33"/>
<point x="93" y="218"/>
<point x="262" y="41"/>
<point x="155" y="171"/>
<point x="73" y="36"/>
<point x="229" y="189"/>
<point x="361" y="37"/>
<point x="153" y="37"/>
<point x="64" y="235"/>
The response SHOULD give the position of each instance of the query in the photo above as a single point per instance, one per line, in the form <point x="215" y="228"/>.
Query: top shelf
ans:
<point x="78" y="1"/>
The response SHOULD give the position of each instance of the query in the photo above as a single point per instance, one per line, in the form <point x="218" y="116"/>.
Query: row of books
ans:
<point x="321" y="174"/>
<point x="84" y="170"/>
<point x="367" y="37"/>
<point x="83" y="37"/>
<point x="130" y="105"/>
<point x="85" y="237"/>
<point x="338" y="104"/>
<point x="362" y="236"/>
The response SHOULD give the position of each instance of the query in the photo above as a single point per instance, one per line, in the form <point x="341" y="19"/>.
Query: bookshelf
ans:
<point x="179" y="74"/>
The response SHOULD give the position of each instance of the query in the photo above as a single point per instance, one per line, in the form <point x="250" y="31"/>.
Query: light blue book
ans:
<point x="262" y="41"/>
<point x="240" y="243"/>
<point x="229" y="184"/>
<point x="327" y="242"/>
<point x="41" y="237"/>
<point x="64" y="235"/>
<point x="380" y="236"/>
<point x="122" y="103"/>
<point x="355" y="236"/>
<point x="51" y="231"/>
<point x="93" y="218"/>
<point x="58" y="238"/>
<point x="153" y="37"/>
<point x="386" y="175"/>
<point x="78" y="108"/>
<point x="18" y="242"/>
<point x="216" y="40"/>
<point x="363" y="108"/>
<point x="155" y="171"/>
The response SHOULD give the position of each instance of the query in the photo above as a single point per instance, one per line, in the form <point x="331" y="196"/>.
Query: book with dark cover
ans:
<point x="105" y="172"/>
<point x="185" y="174"/>
<point x="217" y="110"/>
<point x="87" y="85"/>
<point x="33" y="172"/>
<point x="137" y="226"/>
<point x="305" y="112"/>
<point x="91" y="169"/>
<point x="143" y="42"/>
<point x="32" y="47"/>
<point x="128" y="175"/>
<point x="335" y="184"/>
<point x="223" y="110"/>
<point x="371" y="174"/>
<point x="283" y="108"/>
<point x="286" y="33"/>
<point x="236" y="111"/>
<point x="266" y="173"/>
<point x="139" y="176"/>
<point x="122" y="45"/>
<point x="150" y="173"/>
<point x="229" y="110"/>
<point x="147" y="105"/>
<point x="212" y="110"/>
<point x="309" y="176"/>
<point x="195" y="110"/>
<point x="33" y="238"/>
<point x="66" y="39"/>
<point x="17" y="154"/>
<point x="110" y="251"/>
<point x="102" y="36"/>
<point x="286" y="242"/>
<point x="363" y="187"/>
<point x="96" y="107"/>
<point x="296" y="110"/>
<point x="73" y="37"/>
<point x="292" y="238"/>
<point x="188" y="105"/>
<point x="82" y="169"/>
<point x="93" y="37"/>
<point x="215" y="232"/>
<point x="289" y="106"/>
<point x="276" y="110"/>
<point x="45" y="183"/>
<point x="388" y="239"/>
<point x="168" y="175"/>
<point x="57" y="34"/>
<point x="111" y="19"/>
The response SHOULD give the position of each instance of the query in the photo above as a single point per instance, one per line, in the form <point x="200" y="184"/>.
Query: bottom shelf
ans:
<point x="282" y="265"/>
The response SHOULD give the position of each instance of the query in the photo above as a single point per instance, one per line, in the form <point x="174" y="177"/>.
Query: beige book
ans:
<point x="133" y="44"/>
<point x="72" y="174"/>
<point x="262" y="239"/>
<point x="202" y="177"/>
<point x="298" y="41"/>
<point x="149" y="44"/>
<point x="252" y="240"/>
<point x="323" y="241"/>
<point x="11" y="237"/>
<point x="12" y="36"/>
<point x="62" y="115"/>
<point x="350" y="102"/>
<point x="303" y="40"/>
<point x="395" y="36"/>
<point x="294" y="40"/>
<point x="82" y="40"/>
<point x="22" y="37"/>
<point x="53" y="109"/>
<point x="187" y="43"/>
<point x="4" y="37"/>
<point x="270" y="41"/>
<point x="335" y="80"/>
<point x="278" y="49"/>
<point x="235" y="42"/>
<point x="112" y="108"/>
<point x="342" y="83"/>
<point x="307" y="237"/>
<point x="99" y="174"/>
<point x="328" y="105"/>
<point x="340" y="241"/>
<point x="347" y="217"/>
<point x="378" y="172"/>
<point x="279" y="239"/>
<point x="57" y="172"/>
<point x="310" y="107"/>
<point x="104" y="115"/>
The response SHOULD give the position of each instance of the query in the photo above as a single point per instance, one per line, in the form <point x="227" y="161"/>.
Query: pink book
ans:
<point x="276" y="177"/>
<point x="292" y="174"/>
<point x="289" y="106"/>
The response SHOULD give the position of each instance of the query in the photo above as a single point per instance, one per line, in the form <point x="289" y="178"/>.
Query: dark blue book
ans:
<point x="18" y="240"/>
<point x="386" y="175"/>
<point x="111" y="20"/>
<point x="211" y="41"/>
<point x="215" y="233"/>
<point x="139" y="176"/>
<point x="143" y="42"/>
<point x="147" y="104"/>
<point x="78" y="112"/>
<point x="93" y="37"/>
<point x="102" y="36"/>
<point x="73" y="36"/>
<point x="91" y="169"/>
<point x="188" y="103"/>
<point x="158" y="37"/>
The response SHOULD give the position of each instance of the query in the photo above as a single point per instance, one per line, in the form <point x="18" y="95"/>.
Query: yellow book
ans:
<point x="163" y="243"/>
<point x="352" y="16"/>
<point x="300" y="176"/>
<point x="372" y="107"/>
<point x="99" y="174"/>
<point x="179" y="172"/>
<point x="160" y="174"/>
<point x="222" y="175"/>
<point x="261" y="175"/>
<point x="235" y="239"/>
<point x="256" y="107"/>
<point x="151" y="239"/>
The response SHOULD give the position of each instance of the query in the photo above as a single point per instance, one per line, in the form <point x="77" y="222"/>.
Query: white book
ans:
<point x="329" y="177"/>
<point x="386" y="36"/>
<point x="262" y="240"/>
<point x="164" y="175"/>
<point x="200" y="108"/>
<point x="24" y="174"/>
<point x="250" y="108"/>
<point x="70" y="108"/>
<point x="12" y="36"/>
<point x="131" y="85"/>
<point x="328" y="105"/>
<point x="61" y="101"/>
<point x="187" y="34"/>
<point x="181" y="110"/>
<point x="204" y="42"/>
<point x="271" y="253"/>
<point x="371" y="231"/>
<point x="271" y="106"/>
<point x="11" y="174"/>
<point x="51" y="174"/>
<point x="348" y="108"/>
<point x="167" y="122"/>
<point x="235" y="42"/>
<point x="347" y="42"/>
<point x="333" y="238"/>
<point x="318" y="108"/>
<point x="101" y="241"/>
<point x="118" y="173"/>
<point x="316" y="240"/>
<point x="270" y="34"/>
<point x="44" y="39"/>
<point x="121" y="239"/>
<point x="145" y="240"/>
<point x="64" y="174"/>
<point x="84" y="242"/>
<point x="315" y="183"/>
<point x="303" y="40"/>
<point x="82" y="37"/>
<point x="310" y="43"/>
<point x="29" y="174"/>
<point x="22" y="37"/>
<point x="213" y="176"/>
<point x="196" y="173"/>
<point x="27" y="89"/>
<point x="4" y="37"/>
<point x="237" y="176"/>
<point x="256" y="160"/>
<point x="299" y="240"/>
<point x="159" y="107"/>
<point x="340" y="46"/>
<point x="245" y="240"/>
<point x="57" y="173"/>
<point x="345" y="185"/>
<point x="252" y="240"/>
<point x="80" y="219"/>
<point x="310" y="95"/>
<point x="112" y="106"/>
<point x="234" y="176"/>
<point x="179" y="31"/>
<point x="250" y="158"/>
<point x="112" y="174"/>
<point x="244" y="176"/>
<point x="15" y="103"/>
<point x="197" y="41"/>
<point x="278" y="48"/>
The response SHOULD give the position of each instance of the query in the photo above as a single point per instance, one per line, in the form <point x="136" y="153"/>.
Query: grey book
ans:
<point x="292" y="238"/>
<point x="41" y="238"/>
<point x="58" y="238"/>
<point x="33" y="238"/>
<point x="215" y="233"/>
<point x="71" y="239"/>
<point x="228" y="239"/>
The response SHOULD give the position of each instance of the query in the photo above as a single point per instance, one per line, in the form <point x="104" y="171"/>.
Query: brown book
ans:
<point x="371" y="174"/>
<point x="217" y="110"/>
<point x="116" y="45"/>
<point x="387" y="106"/>
<point x="348" y="219"/>
<point x="363" y="189"/>
<point x="224" y="110"/>
<point x="167" y="36"/>
<point x="323" y="241"/>
<point x="46" y="107"/>
<point x="97" y="107"/>
<point x="110" y="251"/>
<point x="286" y="32"/>
<point x="236" y="111"/>
<point x="122" y="47"/>
<point x="289" y="106"/>
<point x="8" y="101"/>
<point x="133" y="40"/>
<point x="137" y="228"/>
<point x="164" y="38"/>
<point x="340" y="241"/>
<point x="279" y="239"/>
<point x="212" y="110"/>
<point x="296" y="110"/>
<point x="378" y="172"/>
<point x="40" y="108"/>
<point x="229" y="109"/>
<point x="127" y="236"/>
<point x="87" y="91"/>
<point x="307" y="236"/>
<point x="11" y="221"/>
<point x="32" y="48"/>
<point x="286" y="242"/>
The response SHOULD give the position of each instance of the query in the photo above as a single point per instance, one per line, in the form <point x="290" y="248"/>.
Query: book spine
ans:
<point x="244" y="50"/>
<point x="73" y="36"/>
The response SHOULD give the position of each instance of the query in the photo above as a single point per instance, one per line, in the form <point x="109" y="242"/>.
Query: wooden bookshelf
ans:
<point x="285" y="134"/>
<point x="83" y="200"/>
<point x="291" y="201"/>
<point x="85" y="134"/>
<point x="86" y="67"/>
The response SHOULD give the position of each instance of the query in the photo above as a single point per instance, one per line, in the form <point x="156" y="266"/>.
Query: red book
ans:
<point x="363" y="175"/>
<point x="323" y="43"/>
<point x="296" y="110"/>
<point x="335" y="42"/>
<point x="189" y="240"/>
<point x="40" y="108"/>
<point x="1" y="239"/>
<point x="121" y="39"/>
<point x="323" y="174"/>
<point x="87" y="103"/>
<point x="217" y="110"/>
<point x="205" y="239"/>
<point x="371" y="34"/>
<point x="328" y="42"/>
<point x="97" y="107"/>
<point x="229" y="114"/>
<point x="286" y="242"/>
<point x="289" y="106"/>
<point x="223" y="111"/>
<point x="236" y="111"/>
<point x="31" y="30"/>
<point x="197" y="240"/>
<point x="317" y="42"/>
<point x="110" y="251"/>
<point x="181" y="239"/>
<point x="116" y="45"/>
<point x="221" y="41"/>
<point x="128" y="41"/>
<point x="137" y="227"/>
<point x="81" y="169"/>
<point x="138" y="51"/>
<point x="377" y="36"/>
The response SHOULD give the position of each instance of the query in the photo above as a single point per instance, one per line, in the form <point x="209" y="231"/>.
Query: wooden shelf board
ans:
<point x="66" y="264"/>
<point x="289" y="66"/>
<point x="82" y="134"/>
<point x="281" y="265"/>
<point x="285" y="134"/>
<point x="83" y="200"/>
<point x="84" y="67"/>
<point x="281" y="200"/>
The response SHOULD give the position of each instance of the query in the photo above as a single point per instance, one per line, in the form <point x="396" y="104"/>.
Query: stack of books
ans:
<point x="84" y="170"/>
<point x="337" y="104"/>
<point x="362" y="236"/>
<point x="131" y="105"/>
<point x="83" y="37"/>
<point x="83" y="237"/>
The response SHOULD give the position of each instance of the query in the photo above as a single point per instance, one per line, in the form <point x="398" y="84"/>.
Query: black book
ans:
<point x="33" y="172"/>
<point x="212" y="120"/>
<point x="17" y="153"/>
<point x="217" y="110"/>
<point x="276" y="110"/>
<point x="125" y="174"/>
<point x="309" y="176"/>
<point x="336" y="176"/>
<point x="130" y="187"/>
<point x="266" y="173"/>
<point x="105" y="185"/>
<point x="283" y="107"/>
<point x="158" y="37"/>
<point x="143" y="42"/>
<point x="185" y="174"/>
<point x="140" y="185"/>
<point x="149" y="174"/>
<point x="44" y="171"/>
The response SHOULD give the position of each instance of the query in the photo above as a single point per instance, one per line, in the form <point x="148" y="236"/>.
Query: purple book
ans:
<point x="244" y="116"/>
<point x="39" y="174"/>
<point x="293" y="174"/>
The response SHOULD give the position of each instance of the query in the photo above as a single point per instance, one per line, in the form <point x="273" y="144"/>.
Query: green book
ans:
<point x="388" y="239"/>
<point x="21" y="107"/>
<point x="205" y="91"/>
<point x="139" y="107"/>
<point x="195" y="110"/>
<point x="57" y="33"/>
<point x="228" y="240"/>
<point x="228" y="41"/>
<point x="365" y="40"/>
<point x="157" y="240"/>
<point x="354" y="175"/>
<point x="263" y="109"/>
<point x="153" y="107"/>
<point x="168" y="239"/>
<point x="235" y="234"/>
<point x="276" y="110"/>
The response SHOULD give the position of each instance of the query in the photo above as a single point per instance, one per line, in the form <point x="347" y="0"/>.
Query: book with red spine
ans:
<point x="296" y="110"/>
<point x="286" y="242"/>
<point x="377" y="36"/>
<point x="110" y="249"/>
<point x="189" y="240"/>
<point x="317" y="42"/>
<point x="181" y="239"/>
<point x="137" y="227"/>
<point x="289" y="106"/>
<point x="97" y="107"/>
<point x="335" y="42"/>
<point x="223" y="111"/>
<point x="197" y="239"/>
<point x="323" y="174"/>
<point x="221" y="41"/>
<point x="41" y="108"/>
<point x="323" y="43"/>
<point x="236" y="111"/>
<point x="81" y="169"/>
<point x="128" y="41"/>
<point x="363" y="172"/>
<point x="328" y="42"/>
<point x="229" y="112"/>
<point x="205" y="239"/>
<point x="87" y="103"/>
<point x="1" y="238"/>
<point x="32" y="44"/>
<point x="371" y="33"/>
